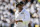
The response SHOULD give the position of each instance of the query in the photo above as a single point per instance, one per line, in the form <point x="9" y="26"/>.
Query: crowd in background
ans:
<point x="8" y="7"/>
<point x="6" y="13"/>
<point x="33" y="7"/>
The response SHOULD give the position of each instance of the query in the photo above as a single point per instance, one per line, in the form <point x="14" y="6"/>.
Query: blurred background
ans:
<point x="8" y="8"/>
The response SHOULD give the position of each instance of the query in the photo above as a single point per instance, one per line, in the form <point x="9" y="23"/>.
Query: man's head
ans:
<point x="20" y="5"/>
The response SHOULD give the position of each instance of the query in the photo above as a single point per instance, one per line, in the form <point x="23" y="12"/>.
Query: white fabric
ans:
<point x="35" y="20"/>
<point x="23" y="15"/>
<point x="32" y="10"/>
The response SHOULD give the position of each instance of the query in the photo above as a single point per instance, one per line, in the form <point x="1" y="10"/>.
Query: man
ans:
<point x="22" y="17"/>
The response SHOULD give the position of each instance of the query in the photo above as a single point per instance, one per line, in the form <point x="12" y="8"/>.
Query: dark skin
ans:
<point x="20" y="7"/>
